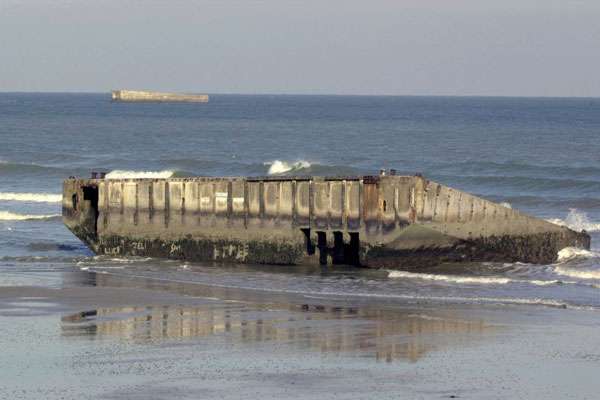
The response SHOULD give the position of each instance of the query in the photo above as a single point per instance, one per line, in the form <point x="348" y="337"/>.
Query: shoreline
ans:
<point x="157" y="340"/>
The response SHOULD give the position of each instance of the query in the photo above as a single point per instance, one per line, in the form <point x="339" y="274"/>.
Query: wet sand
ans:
<point x="110" y="337"/>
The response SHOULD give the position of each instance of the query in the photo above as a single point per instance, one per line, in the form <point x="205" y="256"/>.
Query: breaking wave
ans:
<point x="281" y="167"/>
<point x="10" y="216"/>
<point x="303" y="167"/>
<point x="569" y="253"/>
<point x="577" y="273"/>
<point x="32" y="197"/>
<point x="124" y="174"/>
<point x="480" y="280"/>
<point x="449" y="278"/>
<point x="577" y="220"/>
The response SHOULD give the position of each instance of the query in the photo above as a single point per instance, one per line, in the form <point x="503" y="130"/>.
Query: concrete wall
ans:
<point x="191" y="206"/>
<point x="465" y="216"/>
<point x="378" y="208"/>
<point x="316" y="220"/>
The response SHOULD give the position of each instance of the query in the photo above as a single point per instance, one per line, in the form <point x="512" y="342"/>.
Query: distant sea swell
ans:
<point x="31" y="197"/>
<point x="10" y="216"/>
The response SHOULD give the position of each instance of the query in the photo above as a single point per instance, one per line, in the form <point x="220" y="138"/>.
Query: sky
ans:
<point x="393" y="47"/>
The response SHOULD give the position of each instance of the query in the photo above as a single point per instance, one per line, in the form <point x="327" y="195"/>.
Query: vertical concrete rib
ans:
<point x="246" y="204"/>
<point x="311" y="207"/>
<point x="137" y="206"/>
<point x="294" y="207"/>
<point x="344" y="221"/>
<point x="167" y="203"/>
<point x="261" y="200"/>
<point x="229" y="201"/>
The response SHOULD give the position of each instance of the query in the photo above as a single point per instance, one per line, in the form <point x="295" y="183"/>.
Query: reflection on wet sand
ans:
<point x="384" y="334"/>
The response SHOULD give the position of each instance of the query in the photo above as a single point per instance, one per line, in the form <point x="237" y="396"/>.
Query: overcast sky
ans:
<point x="412" y="47"/>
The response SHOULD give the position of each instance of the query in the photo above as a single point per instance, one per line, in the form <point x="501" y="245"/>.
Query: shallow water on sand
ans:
<point x="97" y="335"/>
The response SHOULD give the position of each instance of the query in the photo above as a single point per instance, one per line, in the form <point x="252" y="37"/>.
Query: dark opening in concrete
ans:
<point x="322" y="245"/>
<point x="338" y="248"/>
<point x="74" y="201"/>
<point x="351" y="250"/>
<point x="90" y="193"/>
<point x="310" y="247"/>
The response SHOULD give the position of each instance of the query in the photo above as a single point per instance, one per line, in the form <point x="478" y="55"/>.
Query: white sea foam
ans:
<point x="569" y="253"/>
<point x="577" y="220"/>
<point x="281" y="167"/>
<point x="479" y="280"/>
<point x="103" y="260"/>
<point x="485" y="280"/>
<point x="32" y="197"/>
<point x="124" y="174"/>
<point x="10" y="216"/>
<point x="577" y="273"/>
<point x="506" y="204"/>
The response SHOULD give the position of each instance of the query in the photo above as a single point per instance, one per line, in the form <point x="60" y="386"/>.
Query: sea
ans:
<point x="537" y="155"/>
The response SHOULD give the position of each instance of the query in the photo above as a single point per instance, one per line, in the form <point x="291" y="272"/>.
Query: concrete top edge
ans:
<point x="251" y="178"/>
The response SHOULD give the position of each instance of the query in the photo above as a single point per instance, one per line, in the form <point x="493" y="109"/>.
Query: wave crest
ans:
<point x="479" y="280"/>
<point x="577" y="220"/>
<point x="578" y="273"/>
<point x="449" y="278"/>
<point x="31" y="197"/>
<point x="10" y="216"/>
<point x="281" y="167"/>
<point x="569" y="253"/>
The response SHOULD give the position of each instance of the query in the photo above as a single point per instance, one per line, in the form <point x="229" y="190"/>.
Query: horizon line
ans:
<point x="308" y="94"/>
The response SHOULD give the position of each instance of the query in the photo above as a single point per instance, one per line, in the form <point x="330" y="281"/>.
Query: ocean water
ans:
<point x="541" y="156"/>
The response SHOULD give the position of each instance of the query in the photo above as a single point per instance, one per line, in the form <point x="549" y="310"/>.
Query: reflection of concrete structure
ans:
<point x="385" y="335"/>
<point x="145" y="96"/>
<point x="378" y="221"/>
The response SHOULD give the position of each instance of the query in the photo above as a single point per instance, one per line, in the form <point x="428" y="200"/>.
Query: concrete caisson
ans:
<point x="373" y="221"/>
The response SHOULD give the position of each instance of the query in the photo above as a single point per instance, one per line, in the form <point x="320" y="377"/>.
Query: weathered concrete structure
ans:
<point x="375" y="221"/>
<point x="144" y="96"/>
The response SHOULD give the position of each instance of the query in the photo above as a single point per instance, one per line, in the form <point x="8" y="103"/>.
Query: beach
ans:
<point x="96" y="335"/>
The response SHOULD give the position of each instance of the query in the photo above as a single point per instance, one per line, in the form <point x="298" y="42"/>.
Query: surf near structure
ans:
<point x="145" y="96"/>
<point x="373" y="221"/>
